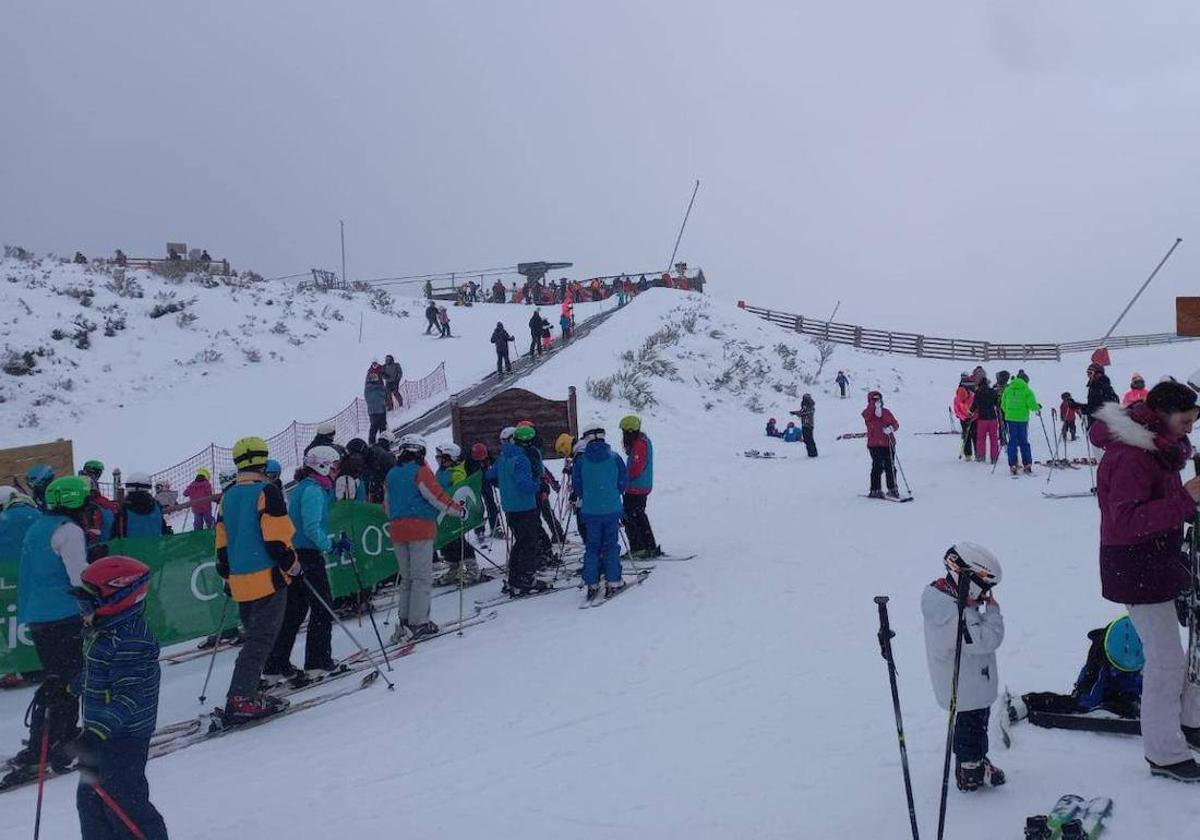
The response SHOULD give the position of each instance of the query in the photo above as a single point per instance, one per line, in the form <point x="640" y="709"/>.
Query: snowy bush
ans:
<point x="113" y="324"/>
<point x="20" y="363"/>
<point x="185" y="319"/>
<point x="280" y="328"/>
<point x="124" y="285"/>
<point x="600" y="389"/>
<point x="168" y="305"/>
<point x="252" y="354"/>
<point x="83" y="330"/>
<point x="83" y="294"/>
<point x="16" y="252"/>
<point x="207" y="356"/>
<point x="787" y="355"/>
<point x="29" y="420"/>
<point x="381" y="301"/>
<point x="825" y="351"/>
<point x="173" y="270"/>
<point x="755" y="404"/>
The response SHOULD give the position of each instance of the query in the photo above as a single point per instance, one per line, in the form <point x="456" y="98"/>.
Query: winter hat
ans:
<point x="326" y="428"/>
<point x="1171" y="398"/>
<point x="1022" y="375"/>
<point x="1137" y="377"/>
<point x="1096" y="368"/>
<point x="1066" y="395"/>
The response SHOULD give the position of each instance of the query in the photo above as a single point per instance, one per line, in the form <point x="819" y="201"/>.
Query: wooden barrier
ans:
<point x="16" y="461"/>
<point x="914" y="344"/>
<point x="482" y="423"/>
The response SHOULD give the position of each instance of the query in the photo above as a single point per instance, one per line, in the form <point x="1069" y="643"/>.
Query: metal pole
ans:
<point x="885" y="648"/>
<point x="216" y="644"/>
<point x="1129" y="305"/>
<point x="675" y="250"/>
<point x="342" y="225"/>
<point x="964" y="584"/>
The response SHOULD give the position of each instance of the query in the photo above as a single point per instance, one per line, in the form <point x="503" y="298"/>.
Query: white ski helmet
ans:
<point x="326" y="428"/>
<point x="451" y="450"/>
<point x="413" y="443"/>
<point x="385" y="437"/>
<point x="322" y="459"/>
<point x="138" y="480"/>
<point x="980" y="564"/>
<point x="506" y="434"/>
<point x="593" y="430"/>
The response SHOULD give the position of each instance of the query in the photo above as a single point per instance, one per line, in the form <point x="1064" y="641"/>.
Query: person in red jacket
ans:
<point x="964" y="411"/>
<point x="881" y="426"/>
<point x="1137" y="391"/>
<point x="1068" y="414"/>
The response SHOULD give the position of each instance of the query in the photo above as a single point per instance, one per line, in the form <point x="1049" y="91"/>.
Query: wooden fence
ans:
<point x="914" y="344"/>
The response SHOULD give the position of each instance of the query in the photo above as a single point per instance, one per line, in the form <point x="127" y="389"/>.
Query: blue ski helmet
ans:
<point x="39" y="476"/>
<point x="273" y="468"/>
<point x="1122" y="646"/>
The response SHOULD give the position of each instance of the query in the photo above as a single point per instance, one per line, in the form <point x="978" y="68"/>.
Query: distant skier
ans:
<point x="881" y="429"/>
<point x="842" y="381"/>
<point x="1018" y="403"/>
<point x="986" y="406"/>
<point x="964" y="398"/>
<point x="119" y="687"/>
<point x="598" y="478"/>
<point x="978" y="676"/>
<point x="413" y="502"/>
<point x="564" y="324"/>
<point x="1002" y="379"/>
<point x="392" y="374"/>
<point x="199" y="494"/>
<point x="514" y="474"/>
<point x="140" y="514"/>
<point x="640" y="453"/>
<point x="431" y="319"/>
<point x="501" y="340"/>
<point x="1067" y="413"/>
<point x="443" y="316"/>
<point x="808" y="419"/>
<point x="773" y="429"/>
<point x="1144" y="506"/>
<point x="1137" y="391"/>
<point x="536" y="325"/>
<point x="375" y="397"/>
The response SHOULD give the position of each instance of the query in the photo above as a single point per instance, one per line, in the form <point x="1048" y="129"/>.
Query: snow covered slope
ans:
<point x="740" y="694"/>
<point x="94" y="363"/>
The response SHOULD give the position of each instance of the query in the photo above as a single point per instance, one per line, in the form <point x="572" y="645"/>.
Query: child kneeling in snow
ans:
<point x="971" y="573"/>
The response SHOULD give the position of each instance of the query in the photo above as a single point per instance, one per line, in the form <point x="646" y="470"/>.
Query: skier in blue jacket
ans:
<point x="599" y="478"/>
<point x="119" y="688"/>
<point x="140" y="515"/>
<point x="514" y="474"/>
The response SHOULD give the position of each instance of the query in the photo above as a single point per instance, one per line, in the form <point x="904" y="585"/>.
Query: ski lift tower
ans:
<point x="535" y="272"/>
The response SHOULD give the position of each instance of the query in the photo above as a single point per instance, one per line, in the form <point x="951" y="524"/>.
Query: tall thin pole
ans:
<point x="835" y="310"/>
<point x="1129" y="306"/>
<point x="678" y="238"/>
<point x="342" y="225"/>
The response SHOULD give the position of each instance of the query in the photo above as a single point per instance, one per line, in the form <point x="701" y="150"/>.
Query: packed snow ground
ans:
<point x="740" y="694"/>
<point x="254" y="357"/>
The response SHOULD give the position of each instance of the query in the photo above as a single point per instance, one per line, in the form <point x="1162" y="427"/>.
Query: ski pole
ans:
<point x="312" y="590"/>
<point x="885" y="649"/>
<point x="462" y="564"/>
<point x="42" y="758"/>
<point x="896" y="460"/>
<point x="1087" y="442"/>
<point x="1046" y="435"/>
<point x="490" y="561"/>
<point x="964" y="585"/>
<point x="117" y="810"/>
<point x="950" y="411"/>
<point x="1193" y="671"/>
<point x="212" y="659"/>
<point x="370" y="606"/>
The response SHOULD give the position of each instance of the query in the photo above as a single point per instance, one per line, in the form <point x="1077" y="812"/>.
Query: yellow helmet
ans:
<point x="203" y="472"/>
<point x="250" y="453"/>
<point x="563" y="444"/>
<point x="631" y="423"/>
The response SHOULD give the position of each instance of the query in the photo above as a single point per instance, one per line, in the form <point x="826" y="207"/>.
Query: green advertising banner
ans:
<point x="186" y="594"/>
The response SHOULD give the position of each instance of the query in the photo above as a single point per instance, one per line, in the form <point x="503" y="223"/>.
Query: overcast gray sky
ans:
<point x="996" y="170"/>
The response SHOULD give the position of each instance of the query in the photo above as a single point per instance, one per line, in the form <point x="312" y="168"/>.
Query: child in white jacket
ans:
<point x="978" y="677"/>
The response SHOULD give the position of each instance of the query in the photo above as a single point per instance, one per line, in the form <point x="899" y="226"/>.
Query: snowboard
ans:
<point x="1095" y="721"/>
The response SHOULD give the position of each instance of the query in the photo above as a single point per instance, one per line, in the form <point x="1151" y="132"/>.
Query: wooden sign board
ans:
<point x="482" y="423"/>
<point x="1187" y="316"/>
<point x="15" y="462"/>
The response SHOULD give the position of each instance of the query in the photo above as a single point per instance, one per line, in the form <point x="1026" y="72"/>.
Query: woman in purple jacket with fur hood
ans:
<point x="1144" y="506"/>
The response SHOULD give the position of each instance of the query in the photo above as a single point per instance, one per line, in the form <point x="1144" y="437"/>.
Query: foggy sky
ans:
<point x="1003" y="170"/>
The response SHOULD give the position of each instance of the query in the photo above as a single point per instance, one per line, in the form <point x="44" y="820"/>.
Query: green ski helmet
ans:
<point x="524" y="434"/>
<point x="71" y="492"/>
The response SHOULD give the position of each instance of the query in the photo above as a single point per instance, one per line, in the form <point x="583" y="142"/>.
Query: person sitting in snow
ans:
<point x="773" y="429"/>
<point x="792" y="433"/>
<point x="962" y="601"/>
<point x="1111" y="677"/>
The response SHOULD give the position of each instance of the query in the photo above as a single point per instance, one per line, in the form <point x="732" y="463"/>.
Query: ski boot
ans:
<point x="993" y="774"/>
<point x="612" y="589"/>
<point x="1027" y="469"/>
<point x="241" y="709"/>
<point x="1038" y="828"/>
<point x="1187" y="772"/>
<point x="592" y="596"/>
<point x="875" y="494"/>
<point x="402" y="635"/>
<point x="1192" y="734"/>
<point x="531" y="587"/>
<point x="273" y="675"/>
<point x="422" y="630"/>
<point x="1014" y="469"/>
<point x="320" y="670"/>
<point x="969" y="775"/>
<point x="893" y="493"/>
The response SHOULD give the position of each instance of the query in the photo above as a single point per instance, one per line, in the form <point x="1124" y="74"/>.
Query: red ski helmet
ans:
<point x="479" y="451"/>
<point x="113" y="585"/>
<point x="524" y="423"/>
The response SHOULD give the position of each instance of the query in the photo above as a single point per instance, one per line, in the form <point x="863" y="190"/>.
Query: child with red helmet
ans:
<point x="119" y="689"/>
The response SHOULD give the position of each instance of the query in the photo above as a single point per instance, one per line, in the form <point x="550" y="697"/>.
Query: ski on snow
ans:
<point x="601" y="601"/>
<point x="886" y="498"/>
<point x="1087" y="495"/>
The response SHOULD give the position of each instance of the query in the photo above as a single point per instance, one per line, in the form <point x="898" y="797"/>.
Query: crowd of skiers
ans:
<point x="542" y="292"/>
<point x="83" y="607"/>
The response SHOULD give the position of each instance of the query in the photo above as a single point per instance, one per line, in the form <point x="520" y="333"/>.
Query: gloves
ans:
<point x="887" y="430"/>
<point x="342" y="545"/>
<point x="462" y="512"/>
<point x="223" y="568"/>
<point x="86" y="750"/>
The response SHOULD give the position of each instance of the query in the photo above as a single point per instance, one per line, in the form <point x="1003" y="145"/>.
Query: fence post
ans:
<point x="295" y="445"/>
<point x="920" y="345"/>
<point x="857" y="335"/>
<point x="987" y="351"/>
